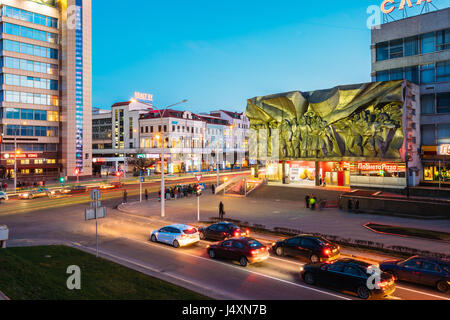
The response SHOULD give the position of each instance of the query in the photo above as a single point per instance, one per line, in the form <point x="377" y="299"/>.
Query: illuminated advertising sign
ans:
<point x="143" y="96"/>
<point x="50" y="3"/>
<point x="381" y="166"/>
<point x="21" y="156"/>
<point x="388" y="6"/>
<point x="444" y="150"/>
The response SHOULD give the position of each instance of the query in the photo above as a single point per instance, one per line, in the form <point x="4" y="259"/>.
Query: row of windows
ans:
<point x="29" y="65"/>
<point x="29" y="17"/>
<point x="30" y="114"/>
<point x="425" y="43"/>
<point x="29" y="33"/>
<point x="31" y="98"/>
<point x="30" y="49"/>
<point x="436" y="103"/>
<point x="30" y="82"/>
<point x="174" y="129"/>
<point x="31" y="147"/>
<point x="31" y="131"/>
<point x="429" y="73"/>
<point x="433" y="135"/>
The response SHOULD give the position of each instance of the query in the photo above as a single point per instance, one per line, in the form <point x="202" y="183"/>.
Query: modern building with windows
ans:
<point x="46" y="85"/>
<point x="418" y="49"/>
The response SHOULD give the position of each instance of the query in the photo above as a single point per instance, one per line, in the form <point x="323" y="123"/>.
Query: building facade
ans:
<point x="363" y="135"/>
<point x="46" y="85"/>
<point x="190" y="142"/>
<point x="418" y="49"/>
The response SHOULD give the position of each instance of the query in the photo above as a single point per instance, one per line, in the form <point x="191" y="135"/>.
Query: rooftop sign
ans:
<point x="143" y="96"/>
<point x="388" y="6"/>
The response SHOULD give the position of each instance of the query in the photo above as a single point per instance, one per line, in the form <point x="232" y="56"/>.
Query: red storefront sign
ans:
<point x="21" y="156"/>
<point x="444" y="150"/>
<point x="390" y="167"/>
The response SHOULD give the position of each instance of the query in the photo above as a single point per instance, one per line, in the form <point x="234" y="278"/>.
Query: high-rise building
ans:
<point x="46" y="85"/>
<point x="418" y="49"/>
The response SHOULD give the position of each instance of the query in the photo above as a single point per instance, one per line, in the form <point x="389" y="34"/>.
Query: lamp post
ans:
<point x="163" y="186"/>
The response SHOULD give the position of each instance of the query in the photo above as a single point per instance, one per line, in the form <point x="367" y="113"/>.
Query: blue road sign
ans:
<point x="142" y="179"/>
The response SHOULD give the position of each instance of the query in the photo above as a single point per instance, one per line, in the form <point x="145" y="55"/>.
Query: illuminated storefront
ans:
<point x="436" y="164"/>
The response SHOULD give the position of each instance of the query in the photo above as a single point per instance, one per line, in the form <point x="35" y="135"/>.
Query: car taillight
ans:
<point x="384" y="284"/>
<point x="236" y="233"/>
<point x="326" y="251"/>
<point x="183" y="236"/>
<point x="254" y="252"/>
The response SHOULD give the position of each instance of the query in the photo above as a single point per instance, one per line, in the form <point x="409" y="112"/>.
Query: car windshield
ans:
<point x="323" y="241"/>
<point x="190" y="231"/>
<point x="254" y="244"/>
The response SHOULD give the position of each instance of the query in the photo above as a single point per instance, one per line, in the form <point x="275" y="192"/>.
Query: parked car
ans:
<point x="37" y="193"/>
<point x="177" y="235"/>
<point x="244" y="250"/>
<point x="222" y="231"/>
<point x="315" y="249"/>
<point x="3" y="196"/>
<point x="74" y="190"/>
<point x="348" y="275"/>
<point x="422" y="270"/>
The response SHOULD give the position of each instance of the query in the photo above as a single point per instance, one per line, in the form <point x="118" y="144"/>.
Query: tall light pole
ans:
<point x="161" y="138"/>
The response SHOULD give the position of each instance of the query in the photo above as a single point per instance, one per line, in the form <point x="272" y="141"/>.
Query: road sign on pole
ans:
<point x="95" y="212"/>
<point x="198" y="209"/>
<point x="199" y="178"/>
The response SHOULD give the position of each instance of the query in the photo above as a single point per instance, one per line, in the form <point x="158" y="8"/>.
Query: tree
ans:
<point x="140" y="163"/>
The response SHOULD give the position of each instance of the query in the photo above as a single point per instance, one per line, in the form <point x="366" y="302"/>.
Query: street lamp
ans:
<point x="160" y="137"/>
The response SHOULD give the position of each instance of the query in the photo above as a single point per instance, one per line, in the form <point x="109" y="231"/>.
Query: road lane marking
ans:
<point x="424" y="293"/>
<point x="242" y="269"/>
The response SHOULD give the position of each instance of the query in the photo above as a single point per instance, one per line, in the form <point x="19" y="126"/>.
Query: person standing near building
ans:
<point x="146" y="195"/>
<point x="213" y="188"/>
<point x="221" y="211"/>
<point x="312" y="202"/>
<point x="125" y="196"/>
<point x="307" y="198"/>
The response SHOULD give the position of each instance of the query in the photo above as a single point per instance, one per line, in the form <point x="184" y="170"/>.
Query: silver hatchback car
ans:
<point x="177" y="235"/>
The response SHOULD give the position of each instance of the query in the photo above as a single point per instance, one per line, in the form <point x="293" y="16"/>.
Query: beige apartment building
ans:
<point x="46" y="88"/>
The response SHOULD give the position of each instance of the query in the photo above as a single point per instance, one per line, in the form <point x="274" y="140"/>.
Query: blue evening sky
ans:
<point x="217" y="54"/>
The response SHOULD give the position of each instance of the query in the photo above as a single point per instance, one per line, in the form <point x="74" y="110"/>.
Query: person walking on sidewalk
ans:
<point x="312" y="202"/>
<point x="221" y="211"/>
<point x="146" y="195"/>
<point x="307" y="198"/>
<point x="213" y="188"/>
<point x="125" y="196"/>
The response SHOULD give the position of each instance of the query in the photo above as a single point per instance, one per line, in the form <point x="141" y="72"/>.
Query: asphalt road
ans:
<point x="124" y="238"/>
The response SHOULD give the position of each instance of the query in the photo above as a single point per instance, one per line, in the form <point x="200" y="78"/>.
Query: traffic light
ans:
<point x="76" y="171"/>
<point x="198" y="190"/>
<point x="119" y="174"/>
<point x="62" y="180"/>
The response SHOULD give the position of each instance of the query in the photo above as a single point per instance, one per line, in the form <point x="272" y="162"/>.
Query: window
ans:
<point x="308" y="243"/>
<point x="443" y="71"/>
<point x="428" y="104"/>
<point x="443" y="133"/>
<point x="396" y="49"/>
<point x="382" y="76"/>
<point x="427" y="73"/>
<point x="428" y="43"/>
<point x="412" y="74"/>
<point x="237" y="245"/>
<point x="293" y="242"/>
<point x="443" y="40"/>
<point x="336" y="267"/>
<point x="429" y="266"/>
<point x="382" y="51"/>
<point x="428" y="135"/>
<point x="443" y="102"/>
<point x="396" y="74"/>
<point x="352" y="271"/>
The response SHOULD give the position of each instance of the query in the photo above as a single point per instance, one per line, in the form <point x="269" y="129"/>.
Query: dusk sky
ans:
<point x="217" y="54"/>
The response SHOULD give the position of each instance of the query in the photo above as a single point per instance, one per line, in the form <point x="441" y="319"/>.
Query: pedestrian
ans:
<point x="176" y="193"/>
<point x="125" y="196"/>
<point x="146" y="195"/>
<point x="221" y="211"/>
<point x="213" y="189"/>
<point x="350" y="205"/>
<point x="307" y="198"/>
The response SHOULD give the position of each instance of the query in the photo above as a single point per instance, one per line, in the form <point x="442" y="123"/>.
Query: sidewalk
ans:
<point x="293" y="215"/>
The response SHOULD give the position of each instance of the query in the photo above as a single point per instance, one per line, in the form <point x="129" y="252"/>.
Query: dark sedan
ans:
<point x="422" y="270"/>
<point x="222" y="231"/>
<point x="315" y="249"/>
<point x="244" y="250"/>
<point x="350" y="276"/>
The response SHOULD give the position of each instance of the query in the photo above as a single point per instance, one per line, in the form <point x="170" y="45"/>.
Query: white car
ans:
<point x="3" y="196"/>
<point x="177" y="235"/>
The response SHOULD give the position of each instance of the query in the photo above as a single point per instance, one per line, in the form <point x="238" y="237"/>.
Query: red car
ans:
<point x="244" y="250"/>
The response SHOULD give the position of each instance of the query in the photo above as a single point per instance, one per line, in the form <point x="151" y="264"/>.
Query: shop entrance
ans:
<point x="334" y="174"/>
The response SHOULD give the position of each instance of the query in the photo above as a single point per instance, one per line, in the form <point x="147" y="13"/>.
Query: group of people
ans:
<point x="180" y="191"/>
<point x="23" y="185"/>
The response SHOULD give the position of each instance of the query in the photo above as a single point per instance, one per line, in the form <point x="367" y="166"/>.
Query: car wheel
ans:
<point x="309" y="278"/>
<point x="363" y="293"/>
<point x="243" y="261"/>
<point x="279" y="251"/>
<point x="212" y="254"/>
<point x="314" y="258"/>
<point x="153" y="238"/>
<point x="202" y="236"/>
<point x="176" y="244"/>
<point x="442" y="286"/>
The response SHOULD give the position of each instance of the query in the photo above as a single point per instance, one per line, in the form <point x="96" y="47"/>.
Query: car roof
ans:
<point x="432" y="259"/>
<point x="355" y="262"/>
<point x="180" y="226"/>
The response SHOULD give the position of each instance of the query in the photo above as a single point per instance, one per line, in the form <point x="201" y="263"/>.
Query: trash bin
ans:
<point x="4" y="236"/>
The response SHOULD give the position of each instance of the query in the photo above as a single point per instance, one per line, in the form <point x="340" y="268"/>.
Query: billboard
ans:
<point x="50" y="3"/>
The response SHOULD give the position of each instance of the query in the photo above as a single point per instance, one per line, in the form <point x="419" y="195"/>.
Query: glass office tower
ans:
<point x="46" y="82"/>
